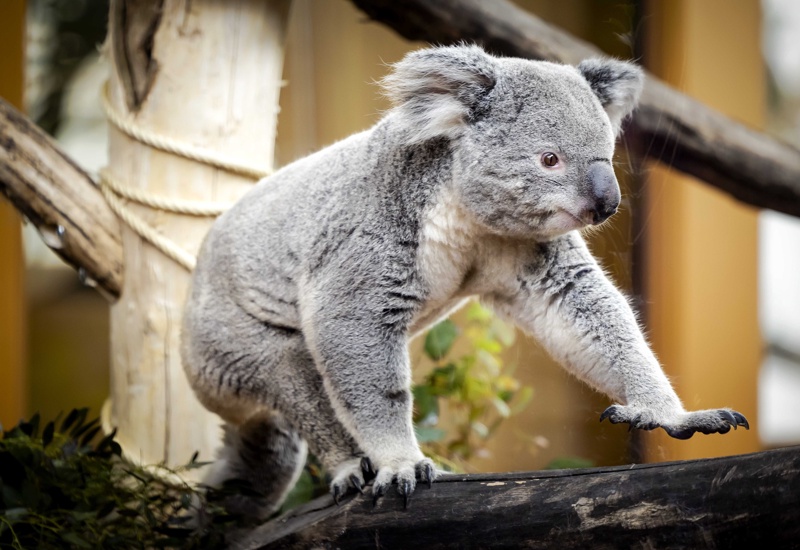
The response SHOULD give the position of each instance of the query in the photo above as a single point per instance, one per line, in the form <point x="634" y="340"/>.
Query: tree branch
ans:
<point x="747" y="501"/>
<point x="53" y="192"/>
<point x="668" y="126"/>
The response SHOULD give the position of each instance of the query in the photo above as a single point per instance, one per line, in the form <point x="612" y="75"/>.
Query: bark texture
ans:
<point x="746" y="501"/>
<point x="60" y="199"/>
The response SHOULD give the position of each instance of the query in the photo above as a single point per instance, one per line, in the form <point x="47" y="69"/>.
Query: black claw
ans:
<point x="608" y="412"/>
<point x="377" y="493"/>
<point x="741" y="420"/>
<point x="367" y="466"/>
<point x="356" y="482"/>
<point x="429" y="475"/>
<point x="405" y="488"/>
<point x="729" y="418"/>
<point x="336" y="494"/>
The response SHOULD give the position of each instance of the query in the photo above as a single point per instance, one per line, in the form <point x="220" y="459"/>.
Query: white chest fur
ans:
<point x="447" y="256"/>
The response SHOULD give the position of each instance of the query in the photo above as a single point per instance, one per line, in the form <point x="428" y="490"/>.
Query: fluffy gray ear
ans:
<point x="437" y="90"/>
<point x="617" y="84"/>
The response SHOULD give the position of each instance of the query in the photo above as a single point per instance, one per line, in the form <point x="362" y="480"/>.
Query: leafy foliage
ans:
<point x="478" y="389"/>
<point x="61" y="489"/>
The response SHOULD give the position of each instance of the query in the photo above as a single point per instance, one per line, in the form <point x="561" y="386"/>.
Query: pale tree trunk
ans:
<point x="206" y="73"/>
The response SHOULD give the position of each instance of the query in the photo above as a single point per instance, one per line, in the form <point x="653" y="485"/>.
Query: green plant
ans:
<point x="479" y="391"/>
<point x="61" y="489"/>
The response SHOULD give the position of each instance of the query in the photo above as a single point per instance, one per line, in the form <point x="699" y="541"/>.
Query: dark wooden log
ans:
<point x="668" y="126"/>
<point x="60" y="199"/>
<point x="747" y="501"/>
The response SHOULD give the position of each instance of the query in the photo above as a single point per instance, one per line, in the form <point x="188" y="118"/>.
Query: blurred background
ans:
<point x="715" y="282"/>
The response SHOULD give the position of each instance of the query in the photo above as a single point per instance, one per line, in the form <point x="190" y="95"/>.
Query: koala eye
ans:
<point x="549" y="159"/>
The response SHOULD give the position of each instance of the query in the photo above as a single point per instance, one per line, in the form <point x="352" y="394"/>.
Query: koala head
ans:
<point x="532" y="141"/>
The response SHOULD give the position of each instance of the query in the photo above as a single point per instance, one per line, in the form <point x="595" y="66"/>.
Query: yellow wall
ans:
<point x="13" y="385"/>
<point x="701" y="245"/>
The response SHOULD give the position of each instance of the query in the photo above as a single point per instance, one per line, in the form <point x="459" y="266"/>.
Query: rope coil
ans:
<point x="116" y="193"/>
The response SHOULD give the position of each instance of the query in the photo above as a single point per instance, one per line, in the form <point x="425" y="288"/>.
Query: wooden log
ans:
<point x="60" y="199"/>
<point x="205" y="73"/>
<point x="746" y="501"/>
<point x="668" y="126"/>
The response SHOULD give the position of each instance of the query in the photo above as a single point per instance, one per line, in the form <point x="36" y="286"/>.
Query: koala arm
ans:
<point x="564" y="299"/>
<point x="356" y="330"/>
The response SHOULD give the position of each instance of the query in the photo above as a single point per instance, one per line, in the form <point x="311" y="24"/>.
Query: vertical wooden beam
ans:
<point x="701" y="245"/>
<point x="206" y="73"/>
<point x="13" y="379"/>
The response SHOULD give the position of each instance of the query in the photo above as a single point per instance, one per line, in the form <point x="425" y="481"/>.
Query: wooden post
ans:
<point x="701" y="265"/>
<point x="206" y="73"/>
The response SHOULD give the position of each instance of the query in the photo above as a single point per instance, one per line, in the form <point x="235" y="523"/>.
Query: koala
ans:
<point x="476" y="183"/>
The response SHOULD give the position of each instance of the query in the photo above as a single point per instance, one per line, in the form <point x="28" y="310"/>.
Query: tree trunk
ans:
<point x="747" y="501"/>
<point x="206" y="73"/>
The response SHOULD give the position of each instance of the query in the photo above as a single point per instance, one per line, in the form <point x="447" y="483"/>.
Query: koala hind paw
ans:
<point x="349" y="475"/>
<point x="405" y="474"/>
<point x="683" y="426"/>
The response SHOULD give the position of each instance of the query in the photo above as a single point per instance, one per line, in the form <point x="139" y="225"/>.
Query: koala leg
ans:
<point x="240" y="367"/>
<point x="264" y="451"/>
<point x="563" y="298"/>
<point x="367" y="376"/>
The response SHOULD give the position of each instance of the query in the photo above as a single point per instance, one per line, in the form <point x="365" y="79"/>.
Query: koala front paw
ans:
<point x="405" y="472"/>
<point x="682" y="426"/>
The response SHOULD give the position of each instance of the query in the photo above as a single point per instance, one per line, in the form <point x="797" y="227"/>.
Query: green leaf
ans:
<point x="444" y="380"/>
<point x="426" y="405"/>
<point x="88" y="436"/>
<point x="106" y="509"/>
<point x="16" y="514"/>
<point x="480" y="429"/>
<point x="477" y="313"/>
<point x="47" y="434"/>
<point x="428" y="434"/>
<point x="302" y="492"/>
<point x="74" y="416"/>
<point x="505" y="332"/>
<point x="74" y="539"/>
<point x="440" y="339"/>
<point x="81" y="427"/>
<point x="105" y="443"/>
<point x="569" y="462"/>
<point x="524" y="397"/>
<point x="502" y="407"/>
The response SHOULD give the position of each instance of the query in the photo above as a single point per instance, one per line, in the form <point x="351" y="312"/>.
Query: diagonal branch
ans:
<point x="682" y="132"/>
<point x="60" y="199"/>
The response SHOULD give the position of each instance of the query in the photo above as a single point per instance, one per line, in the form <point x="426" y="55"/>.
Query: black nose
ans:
<point x="603" y="191"/>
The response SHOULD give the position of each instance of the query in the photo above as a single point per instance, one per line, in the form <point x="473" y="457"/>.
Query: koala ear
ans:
<point x="617" y="84"/>
<point x="436" y="90"/>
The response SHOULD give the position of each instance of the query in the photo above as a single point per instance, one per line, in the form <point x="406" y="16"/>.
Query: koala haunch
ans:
<point x="475" y="184"/>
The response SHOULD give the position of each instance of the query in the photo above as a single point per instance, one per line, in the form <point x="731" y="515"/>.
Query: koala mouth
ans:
<point x="563" y="221"/>
<point x="581" y="221"/>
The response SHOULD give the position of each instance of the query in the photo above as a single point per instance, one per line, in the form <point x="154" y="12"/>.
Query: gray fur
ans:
<point x="307" y="290"/>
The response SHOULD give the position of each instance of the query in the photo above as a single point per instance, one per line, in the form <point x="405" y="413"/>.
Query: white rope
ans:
<point x="146" y="231"/>
<point x="167" y="204"/>
<point x="164" y="143"/>
<point x="113" y="190"/>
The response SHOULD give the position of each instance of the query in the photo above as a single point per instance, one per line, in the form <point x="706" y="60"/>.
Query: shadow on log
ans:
<point x="747" y="501"/>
